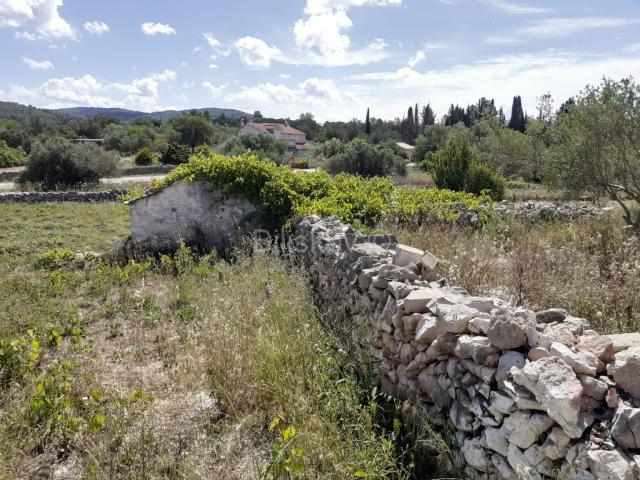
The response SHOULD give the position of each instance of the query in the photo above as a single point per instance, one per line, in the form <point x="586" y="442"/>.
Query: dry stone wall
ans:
<point x="43" y="197"/>
<point x="532" y="395"/>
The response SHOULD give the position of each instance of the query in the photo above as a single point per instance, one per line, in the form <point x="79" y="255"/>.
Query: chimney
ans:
<point x="243" y="122"/>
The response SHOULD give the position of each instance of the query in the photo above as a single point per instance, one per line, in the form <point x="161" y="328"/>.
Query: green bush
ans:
<point x="456" y="168"/>
<point x="358" y="157"/>
<point x="480" y="178"/>
<point x="449" y="166"/>
<point x="353" y="199"/>
<point x="144" y="157"/>
<point x="59" y="163"/>
<point x="11" y="157"/>
<point x="175" y="154"/>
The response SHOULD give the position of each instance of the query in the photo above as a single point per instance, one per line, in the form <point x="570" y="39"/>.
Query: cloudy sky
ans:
<point x="334" y="58"/>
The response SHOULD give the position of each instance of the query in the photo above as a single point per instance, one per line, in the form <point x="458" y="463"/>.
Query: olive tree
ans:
<point x="598" y="146"/>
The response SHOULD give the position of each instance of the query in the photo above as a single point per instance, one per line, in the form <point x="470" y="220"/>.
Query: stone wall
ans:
<point x="531" y="395"/>
<point x="43" y="197"/>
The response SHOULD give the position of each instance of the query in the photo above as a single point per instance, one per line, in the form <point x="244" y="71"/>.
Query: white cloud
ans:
<point x="313" y="91"/>
<point x="419" y="57"/>
<point x="516" y="8"/>
<point x="25" y="36"/>
<point x="39" y="15"/>
<point x="214" y="90"/>
<point x="634" y="47"/>
<point x="35" y="65"/>
<point x="164" y="76"/>
<point x="96" y="27"/>
<point x="562" y="27"/>
<point x="322" y="36"/>
<point x="151" y="28"/>
<point x="141" y="93"/>
<point x="218" y="49"/>
<point x="255" y="52"/>
<point x="213" y="66"/>
<point x="500" y="40"/>
<point x="285" y="75"/>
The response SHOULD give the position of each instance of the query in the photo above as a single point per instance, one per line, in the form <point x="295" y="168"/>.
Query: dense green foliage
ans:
<point x="58" y="163"/>
<point x="11" y="157"/>
<point x="456" y="168"/>
<point x="175" y="154"/>
<point x="359" y="157"/>
<point x="196" y="129"/>
<point x="264" y="146"/>
<point x="598" y="146"/>
<point x="351" y="198"/>
<point x="144" y="157"/>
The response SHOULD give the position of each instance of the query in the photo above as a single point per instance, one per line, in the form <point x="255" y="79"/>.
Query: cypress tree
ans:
<point x="517" y="120"/>
<point x="428" y="117"/>
<point x="367" y="124"/>
<point x="416" y="120"/>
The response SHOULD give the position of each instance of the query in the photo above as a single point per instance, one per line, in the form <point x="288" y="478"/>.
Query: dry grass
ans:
<point x="590" y="267"/>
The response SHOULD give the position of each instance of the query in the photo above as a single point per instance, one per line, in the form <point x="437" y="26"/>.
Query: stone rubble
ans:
<point x="530" y="395"/>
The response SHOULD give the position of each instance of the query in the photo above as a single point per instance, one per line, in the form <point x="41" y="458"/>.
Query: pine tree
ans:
<point x="367" y="124"/>
<point x="517" y="120"/>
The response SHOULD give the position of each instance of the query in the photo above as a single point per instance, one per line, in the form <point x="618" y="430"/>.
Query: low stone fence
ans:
<point x="532" y="395"/>
<point x="146" y="170"/>
<point x="42" y="197"/>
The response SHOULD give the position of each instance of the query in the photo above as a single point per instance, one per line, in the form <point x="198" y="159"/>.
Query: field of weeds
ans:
<point x="590" y="267"/>
<point x="174" y="367"/>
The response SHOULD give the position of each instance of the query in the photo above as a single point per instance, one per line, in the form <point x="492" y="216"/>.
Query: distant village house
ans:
<point x="297" y="144"/>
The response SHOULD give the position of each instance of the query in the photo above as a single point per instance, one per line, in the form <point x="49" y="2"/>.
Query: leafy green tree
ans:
<point x="434" y="138"/>
<point x="58" y="163"/>
<point x="264" y="146"/>
<point x="599" y="146"/>
<point x="194" y="130"/>
<point x="128" y="139"/>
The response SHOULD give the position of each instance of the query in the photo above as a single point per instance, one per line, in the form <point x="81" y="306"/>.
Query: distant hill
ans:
<point x="125" y="115"/>
<point x="18" y="112"/>
<point x="121" y="114"/>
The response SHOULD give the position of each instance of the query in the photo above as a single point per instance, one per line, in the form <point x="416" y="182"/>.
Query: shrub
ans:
<point x="11" y="157"/>
<point x="359" y="157"/>
<point x="144" y="157"/>
<point x="456" y="168"/>
<point x="353" y="199"/>
<point x="59" y="163"/>
<point x="480" y="178"/>
<point x="175" y="154"/>
<point x="449" y="166"/>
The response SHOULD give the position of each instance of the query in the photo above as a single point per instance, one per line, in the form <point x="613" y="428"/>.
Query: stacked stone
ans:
<point x="548" y="211"/>
<point x="43" y="197"/>
<point x="530" y="395"/>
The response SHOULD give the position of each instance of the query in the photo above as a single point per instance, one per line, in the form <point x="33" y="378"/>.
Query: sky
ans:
<point x="333" y="58"/>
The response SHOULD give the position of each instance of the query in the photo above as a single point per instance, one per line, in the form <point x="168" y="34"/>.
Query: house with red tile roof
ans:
<point x="297" y="144"/>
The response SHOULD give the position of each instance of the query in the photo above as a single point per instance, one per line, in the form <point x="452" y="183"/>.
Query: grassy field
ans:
<point x="589" y="267"/>
<point x="175" y="367"/>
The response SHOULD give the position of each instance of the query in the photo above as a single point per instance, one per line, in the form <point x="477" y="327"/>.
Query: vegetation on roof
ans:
<point x="353" y="199"/>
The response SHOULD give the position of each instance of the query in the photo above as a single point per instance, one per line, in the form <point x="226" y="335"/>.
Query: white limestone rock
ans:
<point x="583" y="362"/>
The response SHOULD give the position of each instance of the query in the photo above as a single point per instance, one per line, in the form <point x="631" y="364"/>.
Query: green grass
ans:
<point x="180" y="367"/>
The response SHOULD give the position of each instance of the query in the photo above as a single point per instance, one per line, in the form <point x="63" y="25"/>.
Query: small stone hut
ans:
<point x="196" y="213"/>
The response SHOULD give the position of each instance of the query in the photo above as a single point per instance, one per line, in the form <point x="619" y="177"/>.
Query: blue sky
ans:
<point x="333" y="58"/>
